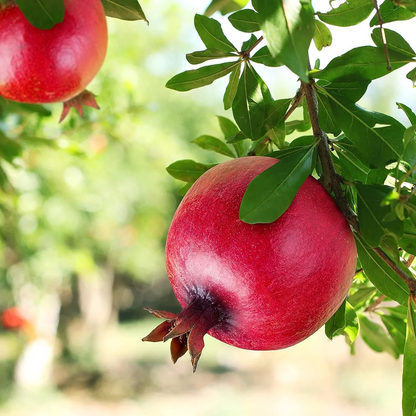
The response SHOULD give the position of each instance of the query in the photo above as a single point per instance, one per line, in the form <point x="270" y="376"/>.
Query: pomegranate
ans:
<point x="11" y="318"/>
<point x="46" y="66"/>
<point x="261" y="286"/>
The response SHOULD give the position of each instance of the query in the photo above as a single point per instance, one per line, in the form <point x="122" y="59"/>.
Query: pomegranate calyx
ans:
<point x="187" y="329"/>
<point x="85" y="98"/>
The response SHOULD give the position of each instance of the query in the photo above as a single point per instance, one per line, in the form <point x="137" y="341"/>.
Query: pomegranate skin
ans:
<point x="276" y="284"/>
<point x="45" y="66"/>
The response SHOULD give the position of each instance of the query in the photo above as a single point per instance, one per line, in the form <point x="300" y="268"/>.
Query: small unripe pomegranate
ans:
<point x="45" y="66"/>
<point x="261" y="286"/>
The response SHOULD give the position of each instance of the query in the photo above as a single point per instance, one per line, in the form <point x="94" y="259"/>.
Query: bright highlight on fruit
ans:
<point x="261" y="286"/>
<point x="54" y="65"/>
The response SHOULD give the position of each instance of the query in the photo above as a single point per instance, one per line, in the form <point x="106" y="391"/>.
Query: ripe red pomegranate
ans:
<point x="11" y="318"/>
<point x="46" y="66"/>
<point x="261" y="286"/>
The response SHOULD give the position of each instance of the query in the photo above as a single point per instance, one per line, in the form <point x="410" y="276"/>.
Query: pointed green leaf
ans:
<point x="248" y="105"/>
<point x="124" y="9"/>
<point x="187" y="170"/>
<point x="349" y="13"/>
<point x="351" y="166"/>
<point x="325" y="116"/>
<point x="9" y="149"/>
<point x="362" y="63"/>
<point x="322" y="36"/>
<point x="397" y="330"/>
<point x="409" y="113"/>
<point x="336" y="322"/>
<point x="229" y="130"/>
<point x="231" y="89"/>
<point x="409" y="362"/>
<point x="275" y="112"/>
<point x="198" y="57"/>
<point x="408" y="240"/>
<point x="376" y="337"/>
<point x="224" y="6"/>
<point x="270" y="194"/>
<point x="378" y="137"/>
<point x="210" y="31"/>
<point x="196" y="78"/>
<point x="380" y="274"/>
<point x="391" y="13"/>
<point x="409" y="4"/>
<point x="352" y="325"/>
<point x="412" y="76"/>
<point x="43" y="14"/>
<point x="288" y="26"/>
<point x="245" y="20"/>
<point x="352" y="91"/>
<point x="362" y="297"/>
<point x="394" y="41"/>
<point x="213" y="144"/>
<point x="372" y="211"/>
<point x="263" y="56"/>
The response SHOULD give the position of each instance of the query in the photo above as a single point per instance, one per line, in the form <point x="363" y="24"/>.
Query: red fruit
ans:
<point x="45" y="66"/>
<point x="261" y="286"/>
<point x="11" y="318"/>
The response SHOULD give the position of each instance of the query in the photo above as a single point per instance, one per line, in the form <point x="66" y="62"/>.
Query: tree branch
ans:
<point x="332" y="181"/>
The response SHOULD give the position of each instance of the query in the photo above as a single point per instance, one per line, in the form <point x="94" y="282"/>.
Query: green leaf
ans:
<point x="248" y="105"/>
<point x="372" y="211"/>
<point x="9" y="149"/>
<point x="380" y="274"/>
<point x="224" y="6"/>
<point x="210" y="31"/>
<point x="336" y="322"/>
<point x="397" y="330"/>
<point x="325" y="116"/>
<point x="362" y="63"/>
<point x="270" y="194"/>
<point x="238" y="137"/>
<point x="124" y="9"/>
<point x="351" y="166"/>
<point x="376" y="337"/>
<point x="43" y="14"/>
<point x="409" y="113"/>
<point x="187" y="170"/>
<point x="199" y="57"/>
<point x="378" y="137"/>
<point x="263" y="56"/>
<point x="288" y="26"/>
<point x="352" y="325"/>
<point x="245" y="21"/>
<point x="412" y="76"/>
<point x="352" y="91"/>
<point x="322" y="36"/>
<point x="362" y="296"/>
<point x="196" y="78"/>
<point x="349" y="13"/>
<point x="409" y="362"/>
<point x="229" y="130"/>
<point x="391" y="13"/>
<point x="394" y="42"/>
<point x="275" y="112"/>
<point x="408" y="240"/>
<point x="249" y="43"/>
<point x="231" y="89"/>
<point x="213" y="144"/>
<point x="409" y="4"/>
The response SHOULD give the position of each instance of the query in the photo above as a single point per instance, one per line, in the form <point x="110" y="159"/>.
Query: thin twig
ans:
<point x="295" y="104"/>
<point x="383" y="35"/>
<point x="246" y="54"/>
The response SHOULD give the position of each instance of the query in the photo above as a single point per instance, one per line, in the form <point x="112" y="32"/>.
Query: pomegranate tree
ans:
<point x="254" y="286"/>
<point x="46" y="66"/>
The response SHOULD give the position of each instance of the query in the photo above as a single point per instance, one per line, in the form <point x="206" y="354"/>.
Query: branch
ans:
<point x="332" y="181"/>
<point x="383" y="35"/>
